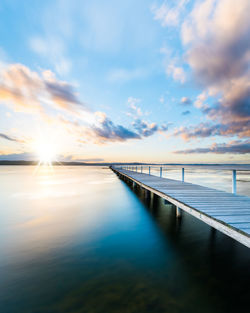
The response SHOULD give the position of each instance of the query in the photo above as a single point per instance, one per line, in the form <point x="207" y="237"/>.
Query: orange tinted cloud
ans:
<point x="28" y="91"/>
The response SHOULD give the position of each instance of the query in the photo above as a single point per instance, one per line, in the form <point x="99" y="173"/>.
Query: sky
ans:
<point x="125" y="81"/>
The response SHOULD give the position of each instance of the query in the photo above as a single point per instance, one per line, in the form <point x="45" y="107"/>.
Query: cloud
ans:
<point x="218" y="32"/>
<point x="215" y="35"/>
<point x="8" y="137"/>
<point x="42" y="93"/>
<point x="136" y="111"/>
<point x="28" y="91"/>
<point x="173" y="65"/>
<point x="200" y="101"/>
<point x="177" y="72"/>
<point x="169" y="15"/>
<point x="186" y="112"/>
<point x="21" y="87"/>
<point x="103" y="130"/>
<point x="61" y="92"/>
<point x="146" y="129"/>
<point x="106" y="131"/>
<point x="235" y="147"/>
<point x="99" y="130"/>
<point x="186" y="101"/>
<point x="204" y="130"/>
<point x="132" y="102"/>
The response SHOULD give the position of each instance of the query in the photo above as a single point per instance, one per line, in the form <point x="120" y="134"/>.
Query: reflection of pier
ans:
<point x="229" y="213"/>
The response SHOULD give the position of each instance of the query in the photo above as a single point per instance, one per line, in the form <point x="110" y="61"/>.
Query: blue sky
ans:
<point x="152" y="81"/>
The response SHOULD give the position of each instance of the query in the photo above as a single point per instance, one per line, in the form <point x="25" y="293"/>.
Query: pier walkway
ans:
<point x="226" y="212"/>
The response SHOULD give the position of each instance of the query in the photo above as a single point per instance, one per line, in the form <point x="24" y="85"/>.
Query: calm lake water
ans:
<point x="78" y="239"/>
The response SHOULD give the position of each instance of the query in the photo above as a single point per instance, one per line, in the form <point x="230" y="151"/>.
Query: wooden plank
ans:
<point x="223" y="211"/>
<point x="233" y="218"/>
<point x="226" y="212"/>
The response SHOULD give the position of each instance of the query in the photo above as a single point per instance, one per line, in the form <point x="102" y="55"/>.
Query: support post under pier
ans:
<point x="147" y="194"/>
<point x="178" y="212"/>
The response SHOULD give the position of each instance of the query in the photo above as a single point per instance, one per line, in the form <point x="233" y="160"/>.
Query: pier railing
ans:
<point x="147" y="169"/>
<point x="228" y="213"/>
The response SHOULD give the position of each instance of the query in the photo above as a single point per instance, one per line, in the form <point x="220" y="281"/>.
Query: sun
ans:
<point x="45" y="148"/>
<point x="46" y="153"/>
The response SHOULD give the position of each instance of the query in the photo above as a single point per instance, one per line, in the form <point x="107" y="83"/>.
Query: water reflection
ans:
<point x="110" y="248"/>
<point x="218" y="264"/>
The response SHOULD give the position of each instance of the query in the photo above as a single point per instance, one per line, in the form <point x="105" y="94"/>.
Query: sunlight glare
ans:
<point x="46" y="153"/>
<point x="45" y="146"/>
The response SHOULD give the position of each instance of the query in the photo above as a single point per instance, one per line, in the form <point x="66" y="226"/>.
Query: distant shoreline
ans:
<point x="74" y="163"/>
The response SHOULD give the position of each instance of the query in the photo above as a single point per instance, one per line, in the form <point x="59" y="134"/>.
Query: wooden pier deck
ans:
<point x="226" y="212"/>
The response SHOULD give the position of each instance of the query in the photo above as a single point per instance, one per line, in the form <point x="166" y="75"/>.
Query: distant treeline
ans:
<point x="22" y="162"/>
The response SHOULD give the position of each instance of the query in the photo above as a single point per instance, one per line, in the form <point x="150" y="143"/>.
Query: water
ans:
<point x="78" y="239"/>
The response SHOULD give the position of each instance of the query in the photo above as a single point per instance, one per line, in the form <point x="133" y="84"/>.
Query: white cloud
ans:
<point x="27" y="91"/>
<point x="176" y="72"/>
<point x="215" y="34"/>
<point x="133" y="105"/>
<point x="200" y="99"/>
<point x="186" y="101"/>
<point x="219" y="55"/>
<point x="173" y="65"/>
<point x="169" y="15"/>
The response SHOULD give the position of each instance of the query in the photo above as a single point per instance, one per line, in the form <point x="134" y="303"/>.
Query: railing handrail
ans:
<point x="224" y="167"/>
<point x="161" y="167"/>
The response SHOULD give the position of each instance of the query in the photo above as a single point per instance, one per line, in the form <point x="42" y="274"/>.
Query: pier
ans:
<point x="224" y="211"/>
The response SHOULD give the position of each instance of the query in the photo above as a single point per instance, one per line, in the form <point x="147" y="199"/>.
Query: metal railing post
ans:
<point x="160" y="171"/>
<point x="182" y="174"/>
<point x="141" y="169"/>
<point x="234" y="179"/>
<point x="149" y="170"/>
